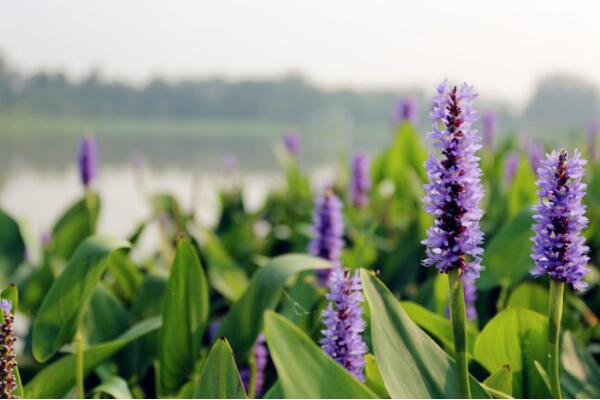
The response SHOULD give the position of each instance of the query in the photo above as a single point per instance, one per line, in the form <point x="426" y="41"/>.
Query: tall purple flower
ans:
<point x="293" y="142"/>
<point x="360" y="182"/>
<point x="88" y="160"/>
<point x="489" y="123"/>
<point x="344" y="324"/>
<point x="511" y="164"/>
<point x="454" y="189"/>
<point x="8" y="361"/>
<point x="470" y="291"/>
<point x="592" y="136"/>
<point x="559" y="248"/>
<point x="328" y="230"/>
<point x="261" y="359"/>
<point x="406" y="110"/>
<point x="535" y="151"/>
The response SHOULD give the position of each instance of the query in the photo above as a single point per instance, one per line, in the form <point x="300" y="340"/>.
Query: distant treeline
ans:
<point x="560" y="102"/>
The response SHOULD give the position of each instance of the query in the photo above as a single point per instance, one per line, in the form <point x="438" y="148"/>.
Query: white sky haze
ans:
<point x="502" y="47"/>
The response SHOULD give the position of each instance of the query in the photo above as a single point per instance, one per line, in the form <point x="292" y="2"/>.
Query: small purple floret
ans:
<point x="88" y="160"/>
<point x="328" y="231"/>
<point x="293" y="142"/>
<point x="454" y="189"/>
<point x="535" y="151"/>
<point x="559" y="248"/>
<point x="8" y="360"/>
<point x="343" y="322"/>
<point x="360" y="181"/>
<point x="261" y="359"/>
<point x="406" y="110"/>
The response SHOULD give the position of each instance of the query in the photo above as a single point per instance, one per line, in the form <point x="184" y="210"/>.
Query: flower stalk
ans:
<point x="458" y="316"/>
<point x="557" y="289"/>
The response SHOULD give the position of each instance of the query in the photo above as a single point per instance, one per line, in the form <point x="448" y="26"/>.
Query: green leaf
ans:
<point x="304" y="370"/>
<point x="504" y="266"/>
<point x="185" y="314"/>
<point x="72" y="228"/>
<point x="220" y="378"/>
<point x="12" y="245"/>
<point x="128" y="278"/>
<point x="373" y="377"/>
<point x="106" y="317"/>
<point x="436" y="325"/>
<point x="517" y="337"/>
<point x="114" y="386"/>
<point x="501" y="380"/>
<point x="225" y="276"/>
<point x="243" y="323"/>
<point x="521" y="193"/>
<point x="530" y="295"/>
<point x="62" y="309"/>
<point x="58" y="378"/>
<point x="274" y="392"/>
<point x="580" y="375"/>
<point x="411" y="363"/>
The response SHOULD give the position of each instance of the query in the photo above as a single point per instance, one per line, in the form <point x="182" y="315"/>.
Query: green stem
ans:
<point x="557" y="289"/>
<point x="252" y="384"/>
<point x="458" y="315"/>
<point x="90" y="202"/>
<point x="79" y="365"/>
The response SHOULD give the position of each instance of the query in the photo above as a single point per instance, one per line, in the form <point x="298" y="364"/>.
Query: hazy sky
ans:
<point x="502" y="47"/>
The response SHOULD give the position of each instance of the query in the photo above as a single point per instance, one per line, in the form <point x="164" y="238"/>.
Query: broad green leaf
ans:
<point x="225" y="276"/>
<point x="517" y="337"/>
<point x="220" y="378"/>
<point x="72" y="228"/>
<point x="530" y="295"/>
<point x="500" y="380"/>
<point x="114" y="386"/>
<point x="12" y="245"/>
<point x="507" y="257"/>
<point x="274" y="392"/>
<point x="521" y="193"/>
<point x="304" y="370"/>
<point x="106" y="317"/>
<point x="243" y="323"/>
<point x="185" y="314"/>
<point x="63" y="307"/>
<point x="58" y="378"/>
<point x="373" y="377"/>
<point x="580" y="376"/>
<point x="436" y="325"/>
<point x="128" y="278"/>
<point x="411" y="363"/>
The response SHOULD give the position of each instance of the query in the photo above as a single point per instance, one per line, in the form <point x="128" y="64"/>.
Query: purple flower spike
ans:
<point x="489" y="123"/>
<point x="454" y="189"/>
<point x="511" y="164"/>
<point x="8" y="361"/>
<point x="88" y="160"/>
<point x="535" y="151"/>
<point x="360" y="182"/>
<point x="406" y="110"/>
<point x="559" y="249"/>
<point x="328" y="230"/>
<point x="344" y="324"/>
<point x="293" y="142"/>
<point x="470" y="291"/>
<point x="261" y="359"/>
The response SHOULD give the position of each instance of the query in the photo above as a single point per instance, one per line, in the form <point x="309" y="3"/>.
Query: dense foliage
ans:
<point x="192" y="317"/>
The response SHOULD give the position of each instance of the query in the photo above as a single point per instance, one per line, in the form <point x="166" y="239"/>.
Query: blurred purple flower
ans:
<point x="8" y="361"/>
<point x="343" y="322"/>
<point x="328" y="231"/>
<point x="261" y="359"/>
<point x="489" y="123"/>
<point x="470" y="291"/>
<point x="559" y="248"/>
<point x="229" y="164"/>
<point x="511" y="164"/>
<point x="592" y="135"/>
<point x="406" y="110"/>
<point x="88" y="160"/>
<point x="293" y="142"/>
<point x="535" y="151"/>
<point x="360" y="182"/>
<point x="454" y="189"/>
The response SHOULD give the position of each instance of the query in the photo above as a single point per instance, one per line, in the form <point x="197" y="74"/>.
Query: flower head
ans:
<point x="535" y="151"/>
<point x="293" y="142"/>
<point x="343" y="322"/>
<point x="406" y="110"/>
<point x="559" y="249"/>
<point x="328" y="230"/>
<point x="8" y="361"/>
<point x="454" y="189"/>
<point x="489" y="123"/>
<point x="470" y="291"/>
<point x="511" y="164"/>
<point x="261" y="359"/>
<point x="88" y="159"/>
<point x="360" y="182"/>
